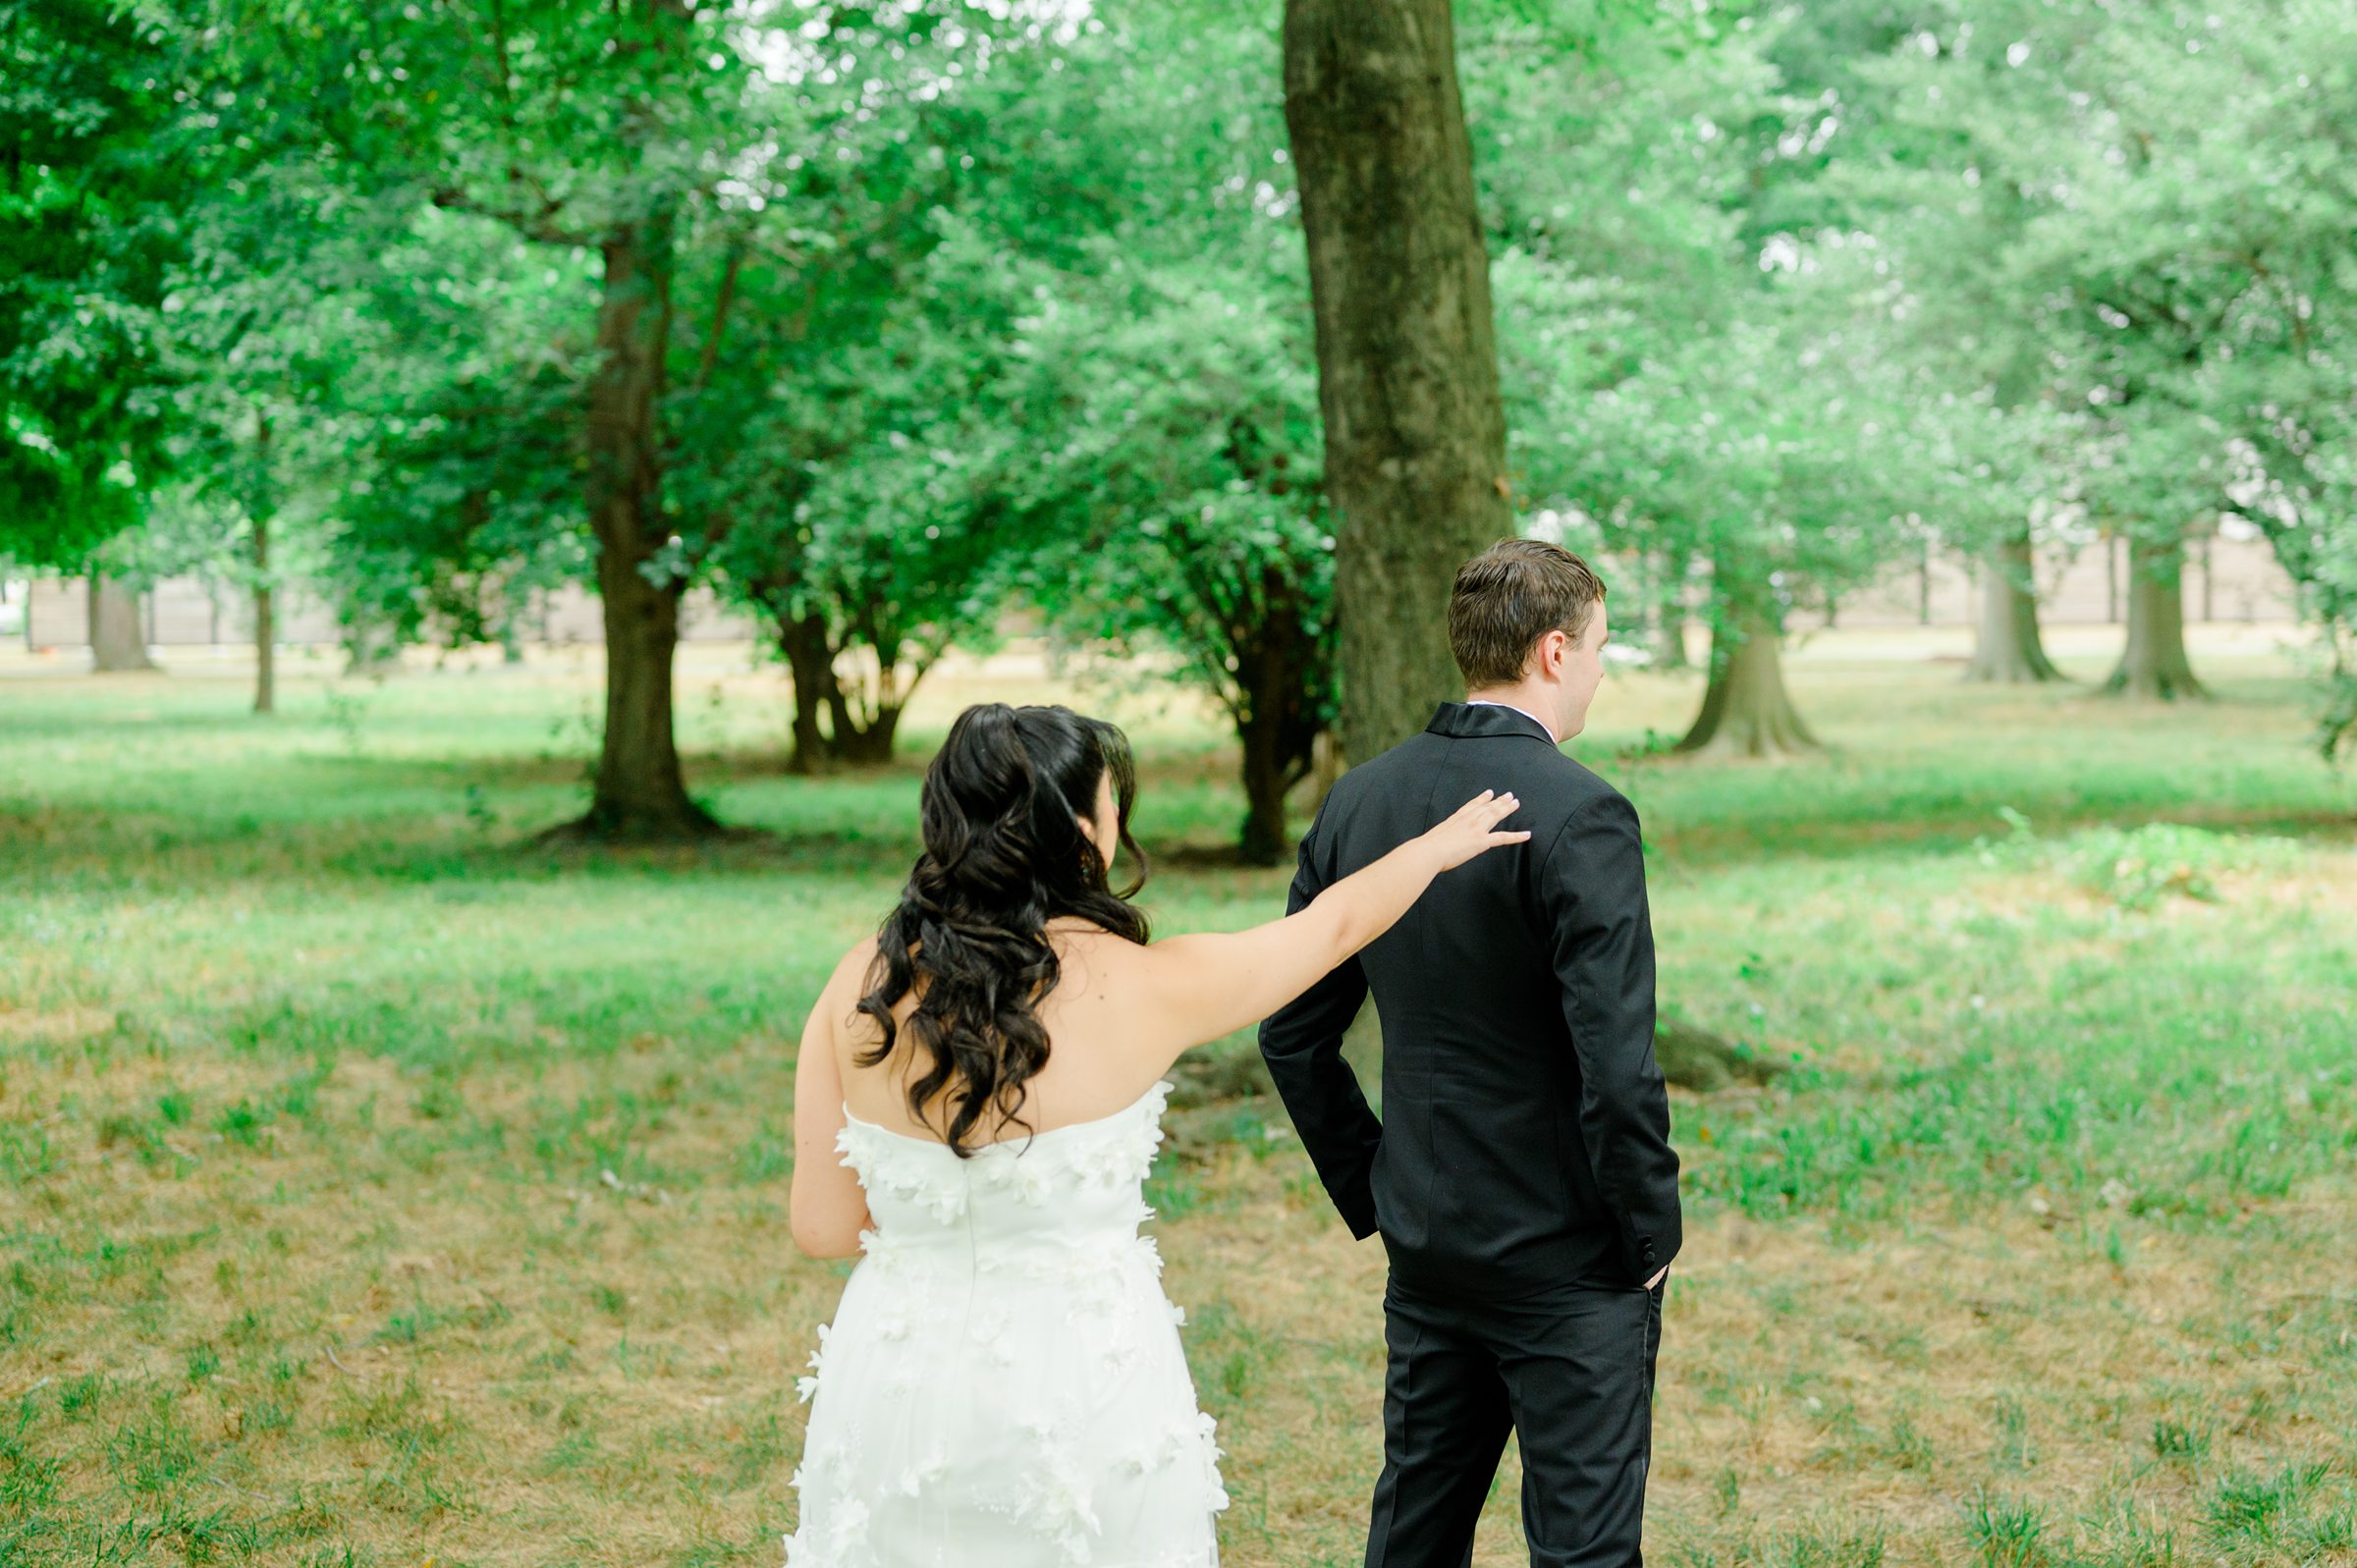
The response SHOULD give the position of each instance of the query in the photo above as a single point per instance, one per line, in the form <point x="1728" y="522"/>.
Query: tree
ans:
<point x="2138" y="205"/>
<point x="1416" y="429"/>
<point x="692" y="158"/>
<point x="1699" y="385"/>
<point x="1158" y="446"/>
<point x="1186" y="480"/>
<point x="865" y="499"/>
<point x="2007" y="648"/>
<point x="1995" y="463"/>
<point x="118" y="641"/>
<point x="1866" y="150"/>
<point x="626" y="137"/>
<point x="94" y="171"/>
<point x="261" y="321"/>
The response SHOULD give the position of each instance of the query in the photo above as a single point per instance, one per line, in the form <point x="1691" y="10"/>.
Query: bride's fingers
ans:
<point x="1485" y="811"/>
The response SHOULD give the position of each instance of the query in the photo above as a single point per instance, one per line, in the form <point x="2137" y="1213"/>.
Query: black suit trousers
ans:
<point x="1569" y="1370"/>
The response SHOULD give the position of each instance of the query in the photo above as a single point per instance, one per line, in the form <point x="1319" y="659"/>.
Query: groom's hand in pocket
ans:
<point x="1659" y="1277"/>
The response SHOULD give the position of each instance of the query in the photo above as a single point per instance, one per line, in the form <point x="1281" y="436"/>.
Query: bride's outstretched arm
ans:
<point x="1208" y="985"/>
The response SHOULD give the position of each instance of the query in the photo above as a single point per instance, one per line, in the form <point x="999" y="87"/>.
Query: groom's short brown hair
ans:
<point x="1508" y="597"/>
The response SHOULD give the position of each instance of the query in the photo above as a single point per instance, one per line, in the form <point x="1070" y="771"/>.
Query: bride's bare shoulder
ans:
<point x="854" y="968"/>
<point x="855" y="971"/>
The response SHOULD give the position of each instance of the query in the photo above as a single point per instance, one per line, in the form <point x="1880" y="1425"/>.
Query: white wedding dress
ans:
<point x="1003" y="1385"/>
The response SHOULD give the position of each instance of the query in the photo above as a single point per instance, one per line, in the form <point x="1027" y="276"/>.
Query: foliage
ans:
<point x="2138" y="869"/>
<point x="2139" y="220"/>
<point x="97" y="163"/>
<point x="1184" y="479"/>
<point x="958" y="298"/>
<point x="1700" y="386"/>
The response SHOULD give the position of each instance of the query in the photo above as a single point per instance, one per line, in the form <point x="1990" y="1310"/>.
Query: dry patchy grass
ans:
<point x="376" y="1191"/>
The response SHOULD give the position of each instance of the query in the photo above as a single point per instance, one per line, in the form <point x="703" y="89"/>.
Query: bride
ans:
<point x="1003" y="1385"/>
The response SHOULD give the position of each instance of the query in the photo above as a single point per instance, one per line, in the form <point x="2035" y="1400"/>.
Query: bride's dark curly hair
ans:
<point x="1004" y="855"/>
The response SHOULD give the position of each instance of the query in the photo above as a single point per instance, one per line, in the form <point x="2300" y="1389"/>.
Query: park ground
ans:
<point x="377" y="1188"/>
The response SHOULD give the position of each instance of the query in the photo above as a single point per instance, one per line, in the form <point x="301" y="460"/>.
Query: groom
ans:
<point x="1521" y="1176"/>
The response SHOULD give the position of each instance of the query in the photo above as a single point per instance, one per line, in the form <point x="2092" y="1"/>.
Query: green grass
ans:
<point x="376" y="1187"/>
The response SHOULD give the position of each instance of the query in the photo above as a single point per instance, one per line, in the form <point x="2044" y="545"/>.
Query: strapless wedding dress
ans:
<point x="1003" y="1385"/>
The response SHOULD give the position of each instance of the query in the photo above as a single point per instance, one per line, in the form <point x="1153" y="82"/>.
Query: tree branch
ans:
<point x="532" y="223"/>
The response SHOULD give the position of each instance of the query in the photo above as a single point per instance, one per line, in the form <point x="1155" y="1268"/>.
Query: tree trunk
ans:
<point x="810" y="660"/>
<point x="2010" y="650"/>
<point x="265" y="623"/>
<point x="1268" y="779"/>
<point x="1408" y="365"/>
<point x="2154" y="664"/>
<point x="118" y="642"/>
<point x="1746" y="710"/>
<point x="1275" y="708"/>
<point x="1670" y="635"/>
<point x="370" y="649"/>
<point x="640" y="795"/>
<point x="868" y="744"/>
<point x="1669" y="641"/>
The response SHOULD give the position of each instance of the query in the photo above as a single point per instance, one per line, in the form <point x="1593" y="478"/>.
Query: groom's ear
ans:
<point x="1551" y="650"/>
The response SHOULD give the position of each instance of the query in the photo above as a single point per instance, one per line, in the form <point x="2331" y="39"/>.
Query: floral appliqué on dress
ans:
<point x="1002" y="1386"/>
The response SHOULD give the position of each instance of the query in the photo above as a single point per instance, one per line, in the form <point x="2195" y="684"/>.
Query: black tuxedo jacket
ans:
<point x="1525" y="1135"/>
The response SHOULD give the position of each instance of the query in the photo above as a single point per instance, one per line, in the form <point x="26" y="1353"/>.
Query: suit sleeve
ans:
<point x="1592" y="886"/>
<point x="1303" y="1043"/>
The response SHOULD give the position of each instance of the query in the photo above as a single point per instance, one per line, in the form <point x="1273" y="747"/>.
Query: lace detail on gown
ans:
<point x="1003" y="1385"/>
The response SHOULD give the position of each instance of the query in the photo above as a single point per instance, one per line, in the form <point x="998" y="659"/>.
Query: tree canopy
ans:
<point x="882" y="319"/>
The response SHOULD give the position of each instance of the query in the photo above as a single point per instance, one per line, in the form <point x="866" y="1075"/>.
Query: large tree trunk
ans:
<point x="118" y="642"/>
<point x="265" y="623"/>
<point x="1408" y="366"/>
<point x="2010" y="650"/>
<point x="2154" y="664"/>
<point x="1747" y="710"/>
<point x="640" y="795"/>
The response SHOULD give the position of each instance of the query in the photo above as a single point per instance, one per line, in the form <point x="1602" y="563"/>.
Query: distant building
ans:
<point x="186" y="611"/>
<point x="2226" y="579"/>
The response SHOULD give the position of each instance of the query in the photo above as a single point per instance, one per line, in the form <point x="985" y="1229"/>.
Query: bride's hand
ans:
<point x="1472" y="829"/>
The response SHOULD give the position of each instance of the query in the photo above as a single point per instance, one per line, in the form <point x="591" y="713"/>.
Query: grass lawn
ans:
<point x="376" y="1188"/>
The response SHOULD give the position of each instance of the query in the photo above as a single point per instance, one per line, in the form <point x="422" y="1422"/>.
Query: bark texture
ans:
<point x="118" y="642"/>
<point x="1407" y="365"/>
<point x="1746" y="712"/>
<point x="640" y="794"/>
<point x="2009" y="650"/>
<point x="2154" y="666"/>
